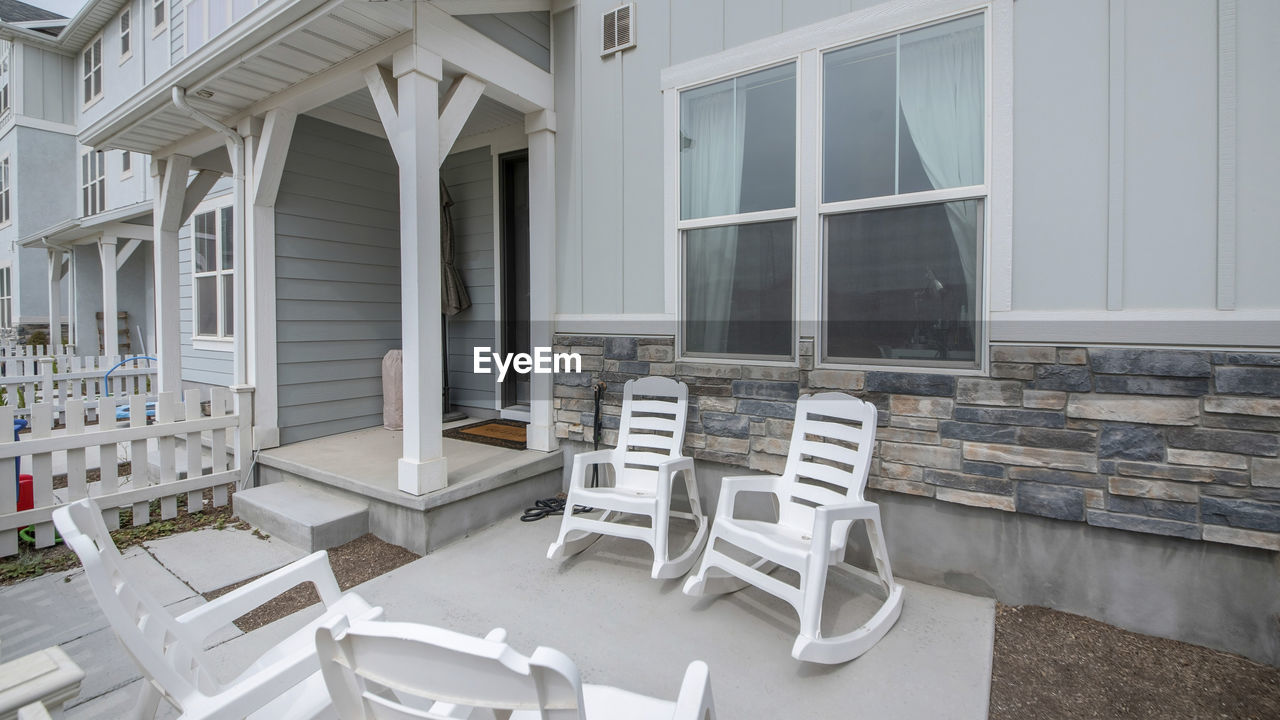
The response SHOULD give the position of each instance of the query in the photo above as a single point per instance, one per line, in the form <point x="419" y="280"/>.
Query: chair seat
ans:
<point x="623" y="499"/>
<point x="777" y="542"/>
<point x="610" y="703"/>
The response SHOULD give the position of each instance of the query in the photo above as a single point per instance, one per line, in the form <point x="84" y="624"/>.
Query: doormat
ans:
<point x="501" y="433"/>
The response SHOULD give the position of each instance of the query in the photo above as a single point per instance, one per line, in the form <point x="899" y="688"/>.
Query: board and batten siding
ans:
<point x="208" y="367"/>
<point x="337" y="279"/>
<point x="47" y="85"/>
<point x="469" y="177"/>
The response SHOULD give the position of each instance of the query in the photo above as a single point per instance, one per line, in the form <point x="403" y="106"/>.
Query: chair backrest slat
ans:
<point x="829" y="457"/>
<point x="654" y="411"/>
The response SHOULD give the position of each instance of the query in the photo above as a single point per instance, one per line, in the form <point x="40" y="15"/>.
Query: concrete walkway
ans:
<point x="600" y="608"/>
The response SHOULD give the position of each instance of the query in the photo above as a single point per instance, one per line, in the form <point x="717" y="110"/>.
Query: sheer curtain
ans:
<point x="712" y="184"/>
<point x="941" y="94"/>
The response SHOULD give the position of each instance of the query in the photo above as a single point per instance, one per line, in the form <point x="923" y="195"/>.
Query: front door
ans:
<point x="513" y="186"/>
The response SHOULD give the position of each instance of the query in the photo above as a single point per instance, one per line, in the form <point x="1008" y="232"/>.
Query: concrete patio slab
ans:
<point x="624" y="629"/>
<point x="210" y="559"/>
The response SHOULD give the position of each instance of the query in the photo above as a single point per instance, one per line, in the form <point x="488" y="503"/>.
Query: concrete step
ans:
<point x="305" y="516"/>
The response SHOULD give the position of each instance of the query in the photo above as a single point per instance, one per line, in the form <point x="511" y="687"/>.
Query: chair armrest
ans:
<point x="826" y="516"/>
<point x="582" y="461"/>
<point x="675" y="465"/>
<point x="731" y="486"/>
<point x="253" y="692"/>
<point x="694" y="701"/>
<point x="220" y="612"/>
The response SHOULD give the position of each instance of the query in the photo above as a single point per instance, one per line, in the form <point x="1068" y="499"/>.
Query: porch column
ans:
<point x="541" y="129"/>
<point x="110" y="323"/>
<point x="169" y="183"/>
<point x="55" y="298"/>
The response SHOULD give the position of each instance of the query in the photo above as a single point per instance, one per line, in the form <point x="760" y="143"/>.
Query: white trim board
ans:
<point x="1200" y="328"/>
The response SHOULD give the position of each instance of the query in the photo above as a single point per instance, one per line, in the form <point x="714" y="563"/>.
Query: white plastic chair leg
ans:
<point x="148" y="702"/>
<point x="571" y="540"/>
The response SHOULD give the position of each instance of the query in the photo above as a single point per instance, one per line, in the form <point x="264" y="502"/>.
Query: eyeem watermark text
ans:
<point x="541" y="361"/>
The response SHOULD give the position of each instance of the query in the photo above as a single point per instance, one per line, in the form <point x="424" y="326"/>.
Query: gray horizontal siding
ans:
<point x="526" y="34"/>
<point x="469" y="177"/>
<point x="337" y="279"/>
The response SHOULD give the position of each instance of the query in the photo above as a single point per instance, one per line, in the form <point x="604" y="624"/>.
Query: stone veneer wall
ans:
<point x="1171" y="442"/>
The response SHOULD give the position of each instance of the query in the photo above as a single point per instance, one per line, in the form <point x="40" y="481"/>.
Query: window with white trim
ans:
<point x="6" y="297"/>
<point x="159" y="15"/>
<point x="5" y="194"/>
<point x="126" y="164"/>
<point x="126" y="35"/>
<point x="896" y="201"/>
<point x="213" y="274"/>
<point x="93" y="182"/>
<point x="91" y="64"/>
<point x="5" y="53"/>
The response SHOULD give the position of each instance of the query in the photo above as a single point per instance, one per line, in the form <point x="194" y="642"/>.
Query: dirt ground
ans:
<point x="1051" y="664"/>
<point x="362" y="559"/>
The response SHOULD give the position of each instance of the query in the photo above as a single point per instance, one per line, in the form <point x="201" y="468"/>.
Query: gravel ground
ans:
<point x="1051" y="664"/>
<point x="362" y="559"/>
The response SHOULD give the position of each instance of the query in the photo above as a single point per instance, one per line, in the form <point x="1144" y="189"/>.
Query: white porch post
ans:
<point x="540" y="127"/>
<point x="423" y="467"/>
<point x="55" y="298"/>
<point x="169" y="177"/>
<point x="110" y="323"/>
<point x="266" y="148"/>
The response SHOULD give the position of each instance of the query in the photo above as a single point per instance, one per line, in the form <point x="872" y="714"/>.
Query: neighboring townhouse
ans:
<point x="1039" y="236"/>
<point x="37" y="152"/>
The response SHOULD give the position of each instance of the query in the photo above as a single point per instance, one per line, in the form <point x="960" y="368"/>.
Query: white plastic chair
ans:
<point x="645" y="464"/>
<point x="283" y="683"/>
<point x="818" y="496"/>
<point x="397" y="671"/>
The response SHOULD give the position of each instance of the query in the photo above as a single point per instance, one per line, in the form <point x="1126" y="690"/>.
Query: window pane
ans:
<point x="942" y="104"/>
<point x="228" y="304"/>
<point x="207" y="305"/>
<point x="904" y="114"/>
<point x="738" y="290"/>
<point x="738" y="145"/>
<point x="205" y="242"/>
<point x="228" y="238"/>
<point x="902" y="283"/>
<point x="859" y="85"/>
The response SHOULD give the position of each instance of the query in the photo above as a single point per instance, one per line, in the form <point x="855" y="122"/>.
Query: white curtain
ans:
<point x="712" y="128"/>
<point x="941" y="93"/>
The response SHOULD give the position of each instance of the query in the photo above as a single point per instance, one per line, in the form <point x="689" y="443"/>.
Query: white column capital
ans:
<point x="417" y="59"/>
<point x="108" y="240"/>
<point x="539" y="121"/>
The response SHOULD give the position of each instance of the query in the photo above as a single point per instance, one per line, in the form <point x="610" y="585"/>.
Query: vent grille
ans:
<point x="619" y="29"/>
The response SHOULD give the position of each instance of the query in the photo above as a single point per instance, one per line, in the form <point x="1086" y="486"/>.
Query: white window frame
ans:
<point x="158" y="27"/>
<point x="6" y="71"/>
<point x="6" y="296"/>
<point x="93" y="187"/>
<point x="805" y="47"/>
<point x="86" y="75"/>
<point x="126" y="172"/>
<point x="221" y="342"/>
<point x="6" y="192"/>
<point x="126" y="35"/>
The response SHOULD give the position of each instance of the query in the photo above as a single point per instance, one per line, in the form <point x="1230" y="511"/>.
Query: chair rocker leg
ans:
<point x="679" y="566"/>
<point x="572" y="541"/>
<point x="713" y="579"/>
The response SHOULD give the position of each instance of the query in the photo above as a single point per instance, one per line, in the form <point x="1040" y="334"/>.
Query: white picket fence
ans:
<point x="27" y="382"/>
<point x="35" y="351"/>
<point x="174" y="438"/>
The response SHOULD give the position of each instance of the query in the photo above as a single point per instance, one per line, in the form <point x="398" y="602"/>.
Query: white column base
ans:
<point x="265" y="437"/>
<point x="419" y="477"/>
<point x="541" y="437"/>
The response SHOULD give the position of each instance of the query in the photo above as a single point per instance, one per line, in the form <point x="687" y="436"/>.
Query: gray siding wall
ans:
<point x="337" y="279"/>
<point x="527" y="34"/>
<point x="610" y="134"/>
<point x="47" y="85"/>
<point x="210" y="367"/>
<point x="469" y="177"/>
<point x="45" y="191"/>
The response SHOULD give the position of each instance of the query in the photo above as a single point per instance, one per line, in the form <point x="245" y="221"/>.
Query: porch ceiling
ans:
<point x="270" y="56"/>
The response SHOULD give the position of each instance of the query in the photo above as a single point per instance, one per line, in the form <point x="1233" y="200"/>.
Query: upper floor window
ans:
<point x="126" y="36"/>
<point x="213" y="252"/>
<point x="4" y="77"/>
<point x="5" y="202"/>
<point x="6" y="297"/>
<point x="92" y="66"/>
<point x="93" y="185"/>
<point x="159" y="14"/>
<point x="891" y="195"/>
<point x="126" y="163"/>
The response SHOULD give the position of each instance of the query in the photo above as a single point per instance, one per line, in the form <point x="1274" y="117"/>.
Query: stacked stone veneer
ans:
<point x="1171" y="442"/>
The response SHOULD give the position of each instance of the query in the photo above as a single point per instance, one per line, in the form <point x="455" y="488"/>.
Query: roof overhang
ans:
<point x="122" y="222"/>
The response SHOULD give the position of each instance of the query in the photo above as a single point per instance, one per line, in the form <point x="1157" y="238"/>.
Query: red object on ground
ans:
<point x="26" y="497"/>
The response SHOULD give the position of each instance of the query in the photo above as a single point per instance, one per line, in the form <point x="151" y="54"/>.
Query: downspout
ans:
<point x="236" y="150"/>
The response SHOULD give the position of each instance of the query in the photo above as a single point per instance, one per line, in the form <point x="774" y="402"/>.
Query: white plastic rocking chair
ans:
<point x="645" y="464"/>
<point x="819" y="497"/>
<point x="283" y="683"/>
<point x="402" y="671"/>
